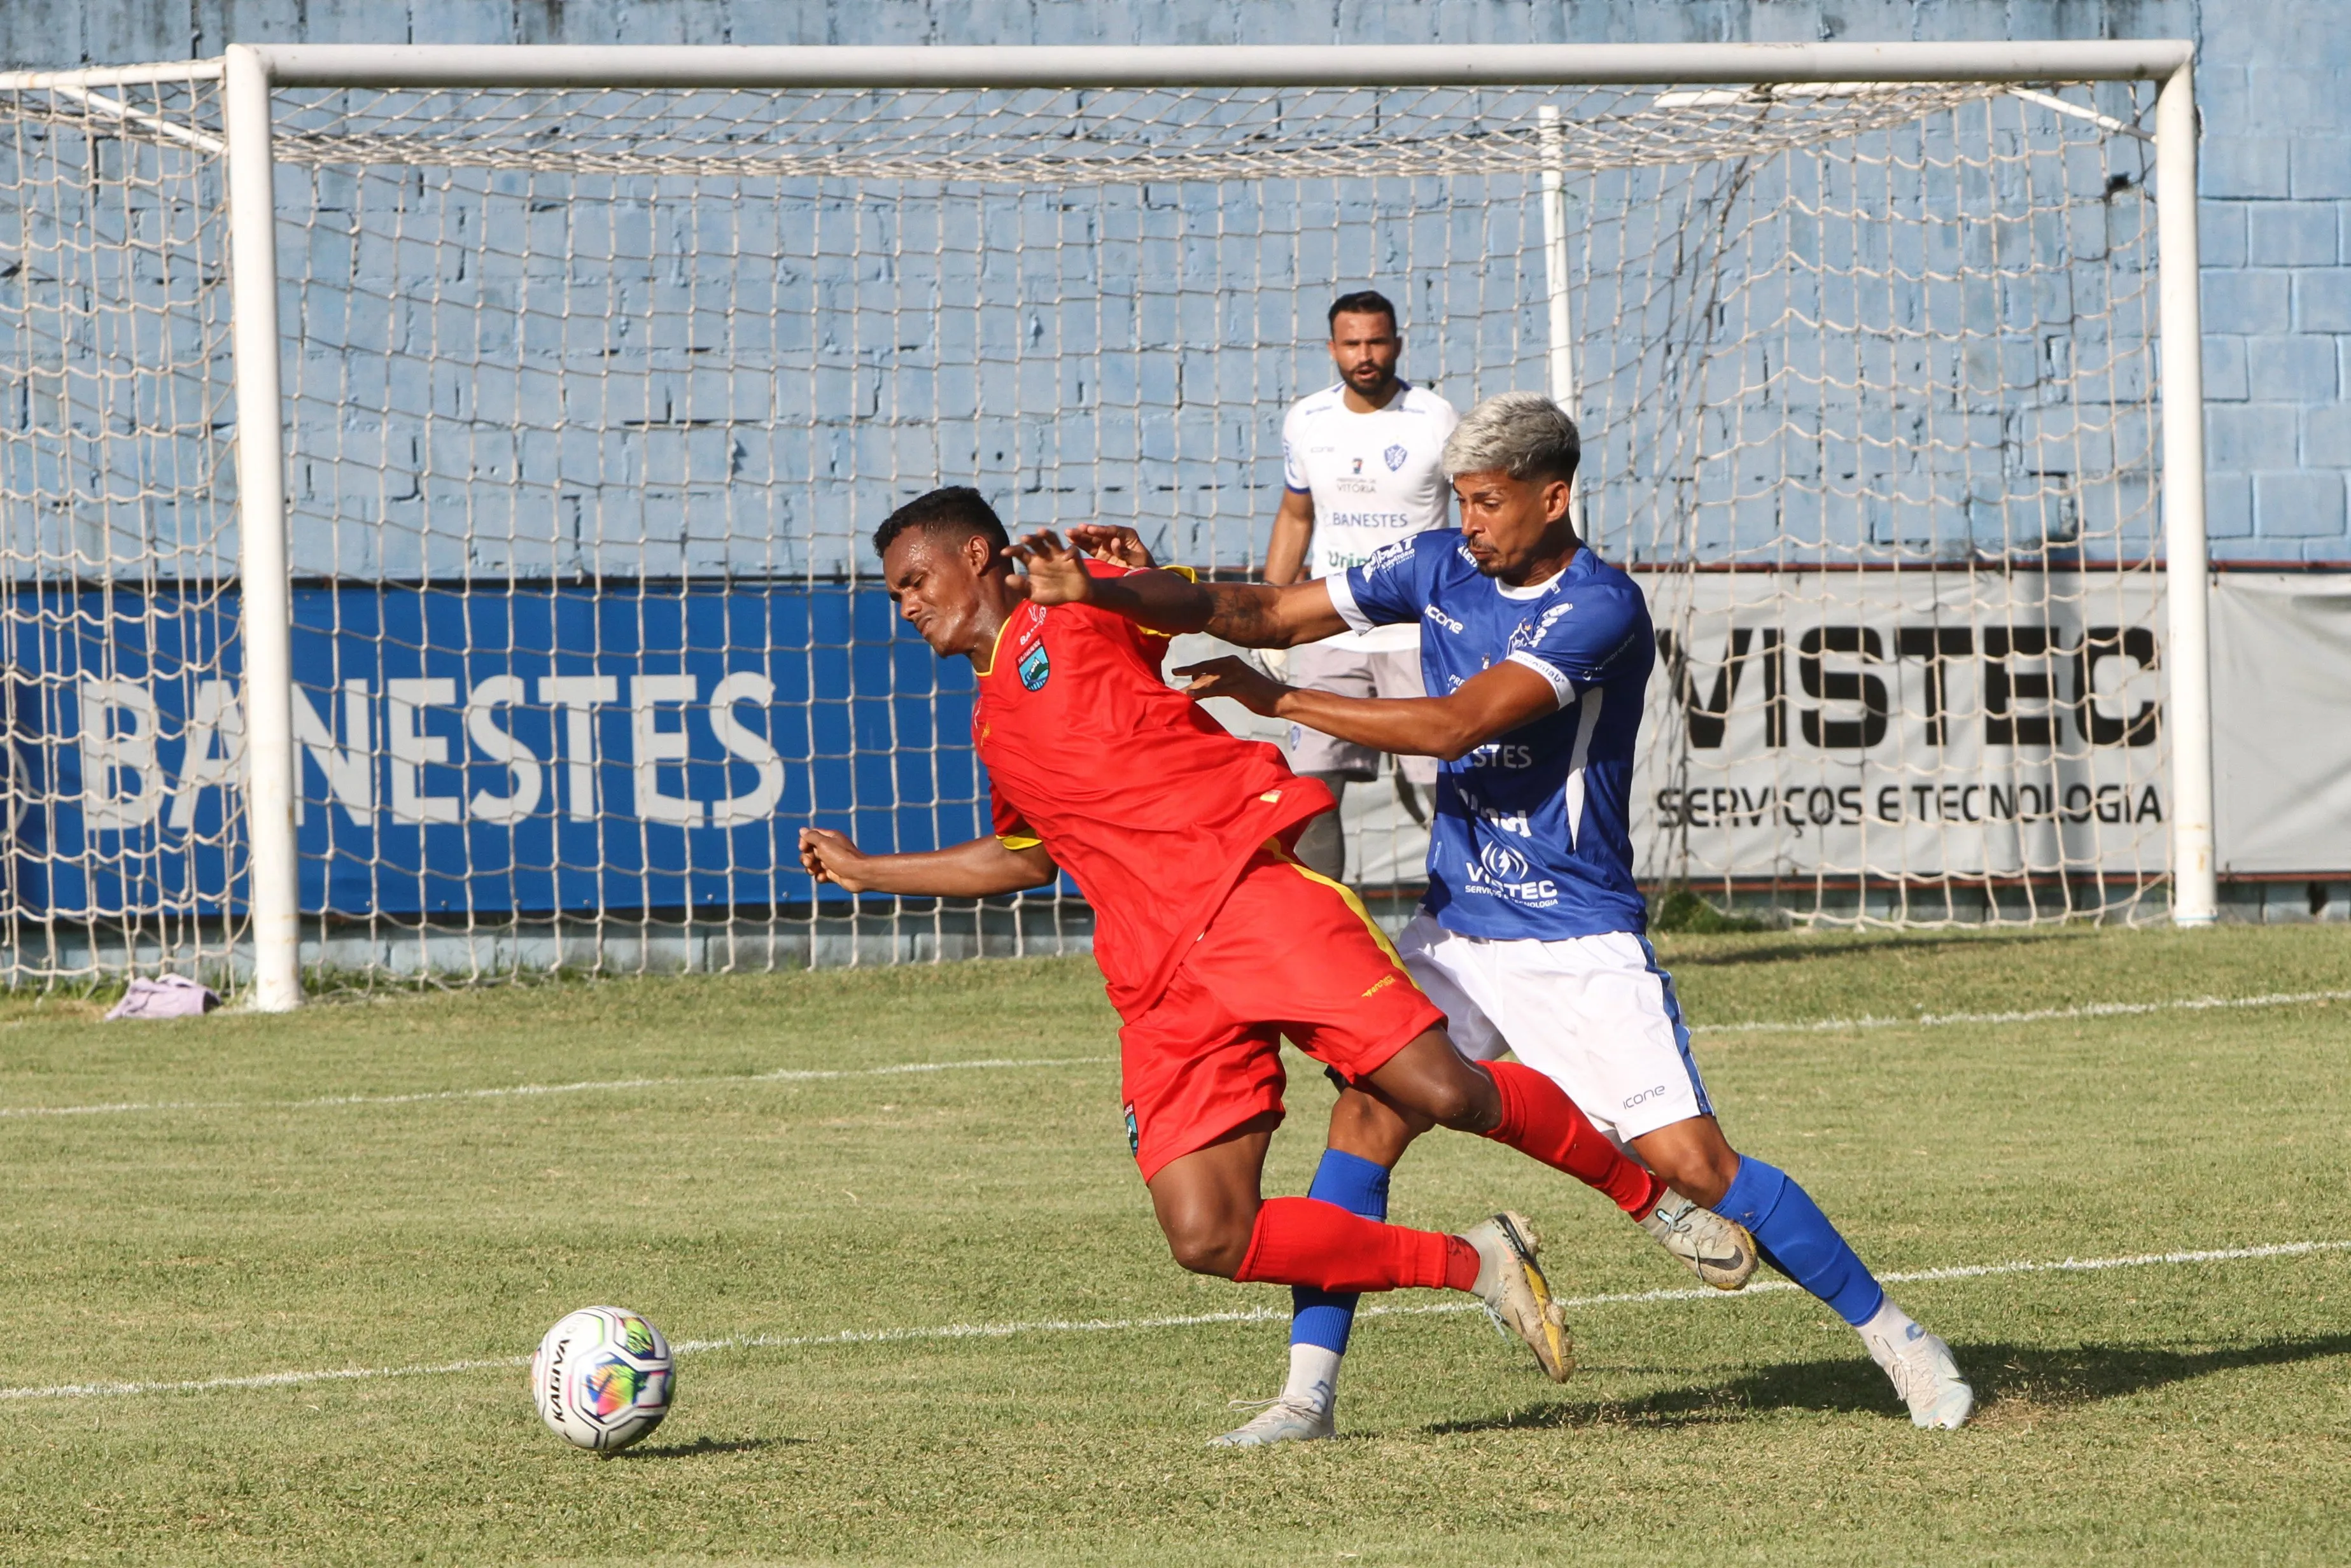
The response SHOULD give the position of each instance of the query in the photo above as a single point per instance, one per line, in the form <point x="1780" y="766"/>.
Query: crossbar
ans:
<point x="1331" y="65"/>
<point x="110" y="76"/>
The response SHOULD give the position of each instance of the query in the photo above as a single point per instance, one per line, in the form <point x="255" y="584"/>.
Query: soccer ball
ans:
<point x="602" y="1378"/>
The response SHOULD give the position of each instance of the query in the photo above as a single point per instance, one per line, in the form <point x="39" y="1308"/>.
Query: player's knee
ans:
<point x="1209" y="1248"/>
<point x="1464" y="1102"/>
<point x="1208" y="1238"/>
<point x="1371" y="1130"/>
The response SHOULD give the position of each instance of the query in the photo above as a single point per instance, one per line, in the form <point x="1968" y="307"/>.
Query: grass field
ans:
<point x="262" y="1195"/>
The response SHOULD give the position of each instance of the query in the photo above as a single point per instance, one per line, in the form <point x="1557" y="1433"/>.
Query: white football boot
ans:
<point x="1303" y="1412"/>
<point x="1517" y="1296"/>
<point x="1717" y="1250"/>
<point x="1276" y="1421"/>
<point x="1921" y="1368"/>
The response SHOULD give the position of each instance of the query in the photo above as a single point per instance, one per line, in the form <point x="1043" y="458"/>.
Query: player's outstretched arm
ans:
<point x="978" y="869"/>
<point x="1245" y="613"/>
<point x="1489" y="704"/>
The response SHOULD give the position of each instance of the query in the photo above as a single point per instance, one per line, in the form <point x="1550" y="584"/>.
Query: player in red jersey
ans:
<point x="1213" y="941"/>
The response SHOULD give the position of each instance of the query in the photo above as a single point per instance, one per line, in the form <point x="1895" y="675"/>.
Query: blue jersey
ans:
<point x="1533" y="835"/>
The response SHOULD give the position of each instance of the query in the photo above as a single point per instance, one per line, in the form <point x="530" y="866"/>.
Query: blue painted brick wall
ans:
<point x="2276" y="181"/>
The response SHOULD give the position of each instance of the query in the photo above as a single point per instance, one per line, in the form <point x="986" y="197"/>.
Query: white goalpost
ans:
<point x="433" y="480"/>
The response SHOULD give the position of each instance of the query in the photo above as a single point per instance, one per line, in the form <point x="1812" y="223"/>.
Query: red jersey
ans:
<point x="1151" y="806"/>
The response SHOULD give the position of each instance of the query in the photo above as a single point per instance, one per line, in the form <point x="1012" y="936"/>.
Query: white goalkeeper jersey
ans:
<point x="1375" y="478"/>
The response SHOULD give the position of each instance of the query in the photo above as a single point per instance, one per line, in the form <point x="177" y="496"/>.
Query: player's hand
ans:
<point x="1238" y="679"/>
<point x="1053" y="573"/>
<point x="1113" y="543"/>
<point x="831" y="857"/>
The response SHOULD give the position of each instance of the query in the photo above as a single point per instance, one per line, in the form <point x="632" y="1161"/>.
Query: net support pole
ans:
<point x="2195" y="885"/>
<point x="266" y="613"/>
<point x="1562" y="365"/>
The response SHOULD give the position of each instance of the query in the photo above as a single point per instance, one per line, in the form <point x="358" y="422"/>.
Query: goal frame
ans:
<point x="250" y="73"/>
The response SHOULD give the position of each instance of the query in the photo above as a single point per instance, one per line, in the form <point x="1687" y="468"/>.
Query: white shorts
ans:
<point x="1593" y="1014"/>
<point x="1354" y="673"/>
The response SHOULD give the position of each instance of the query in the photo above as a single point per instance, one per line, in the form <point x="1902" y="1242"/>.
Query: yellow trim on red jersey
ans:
<point x="1018" y="841"/>
<point x="1343" y="890"/>
<point x="992" y="647"/>
<point x="1188" y="575"/>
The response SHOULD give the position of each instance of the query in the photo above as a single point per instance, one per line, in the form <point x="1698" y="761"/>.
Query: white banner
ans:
<point x="2281" y="721"/>
<point x="1930" y="722"/>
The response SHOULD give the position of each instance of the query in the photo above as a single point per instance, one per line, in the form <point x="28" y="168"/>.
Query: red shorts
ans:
<point x="1288" y="952"/>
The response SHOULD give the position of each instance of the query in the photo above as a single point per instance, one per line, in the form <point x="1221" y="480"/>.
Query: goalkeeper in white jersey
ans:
<point x="1361" y="469"/>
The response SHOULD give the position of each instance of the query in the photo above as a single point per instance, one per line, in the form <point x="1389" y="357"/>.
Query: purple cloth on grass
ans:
<point x="166" y="996"/>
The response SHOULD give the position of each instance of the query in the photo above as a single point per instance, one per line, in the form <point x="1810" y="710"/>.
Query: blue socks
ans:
<point x="1795" y="1237"/>
<point x="1356" y="1184"/>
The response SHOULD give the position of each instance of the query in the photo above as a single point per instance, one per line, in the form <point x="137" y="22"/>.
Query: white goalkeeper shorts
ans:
<point x="1593" y="1014"/>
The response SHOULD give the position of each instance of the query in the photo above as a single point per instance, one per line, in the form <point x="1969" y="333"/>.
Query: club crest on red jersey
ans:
<point x="1036" y="666"/>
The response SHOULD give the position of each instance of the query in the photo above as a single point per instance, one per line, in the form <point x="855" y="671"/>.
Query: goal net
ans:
<point x="593" y="397"/>
<point x="118" y="541"/>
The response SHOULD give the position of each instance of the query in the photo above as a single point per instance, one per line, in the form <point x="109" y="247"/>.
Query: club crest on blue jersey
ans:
<point x="1036" y="666"/>
<point x="1395" y="456"/>
<point x="1530" y="633"/>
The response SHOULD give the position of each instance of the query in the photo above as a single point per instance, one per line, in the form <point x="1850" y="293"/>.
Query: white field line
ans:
<point x="1130" y="1326"/>
<point x="2038" y="1015"/>
<point x="782" y="1075"/>
<point x="790" y="1075"/>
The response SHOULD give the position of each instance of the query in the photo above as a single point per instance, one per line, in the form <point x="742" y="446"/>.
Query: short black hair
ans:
<point x="951" y="515"/>
<point x="1364" y="302"/>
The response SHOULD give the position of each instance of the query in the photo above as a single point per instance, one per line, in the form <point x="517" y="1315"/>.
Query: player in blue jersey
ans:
<point x="1530" y="938"/>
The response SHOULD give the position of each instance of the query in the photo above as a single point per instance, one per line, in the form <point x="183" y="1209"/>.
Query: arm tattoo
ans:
<point x="1244" y="614"/>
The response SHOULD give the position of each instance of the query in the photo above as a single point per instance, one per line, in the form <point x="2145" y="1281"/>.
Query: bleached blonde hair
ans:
<point x="1523" y="434"/>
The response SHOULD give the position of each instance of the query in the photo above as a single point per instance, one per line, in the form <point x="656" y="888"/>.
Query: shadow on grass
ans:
<point x="700" y="1446"/>
<point x="2006" y="1376"/>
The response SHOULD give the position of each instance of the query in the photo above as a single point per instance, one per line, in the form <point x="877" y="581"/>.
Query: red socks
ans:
<point x="1305" y="1241"/>
<point x="1539" y="1121"/>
